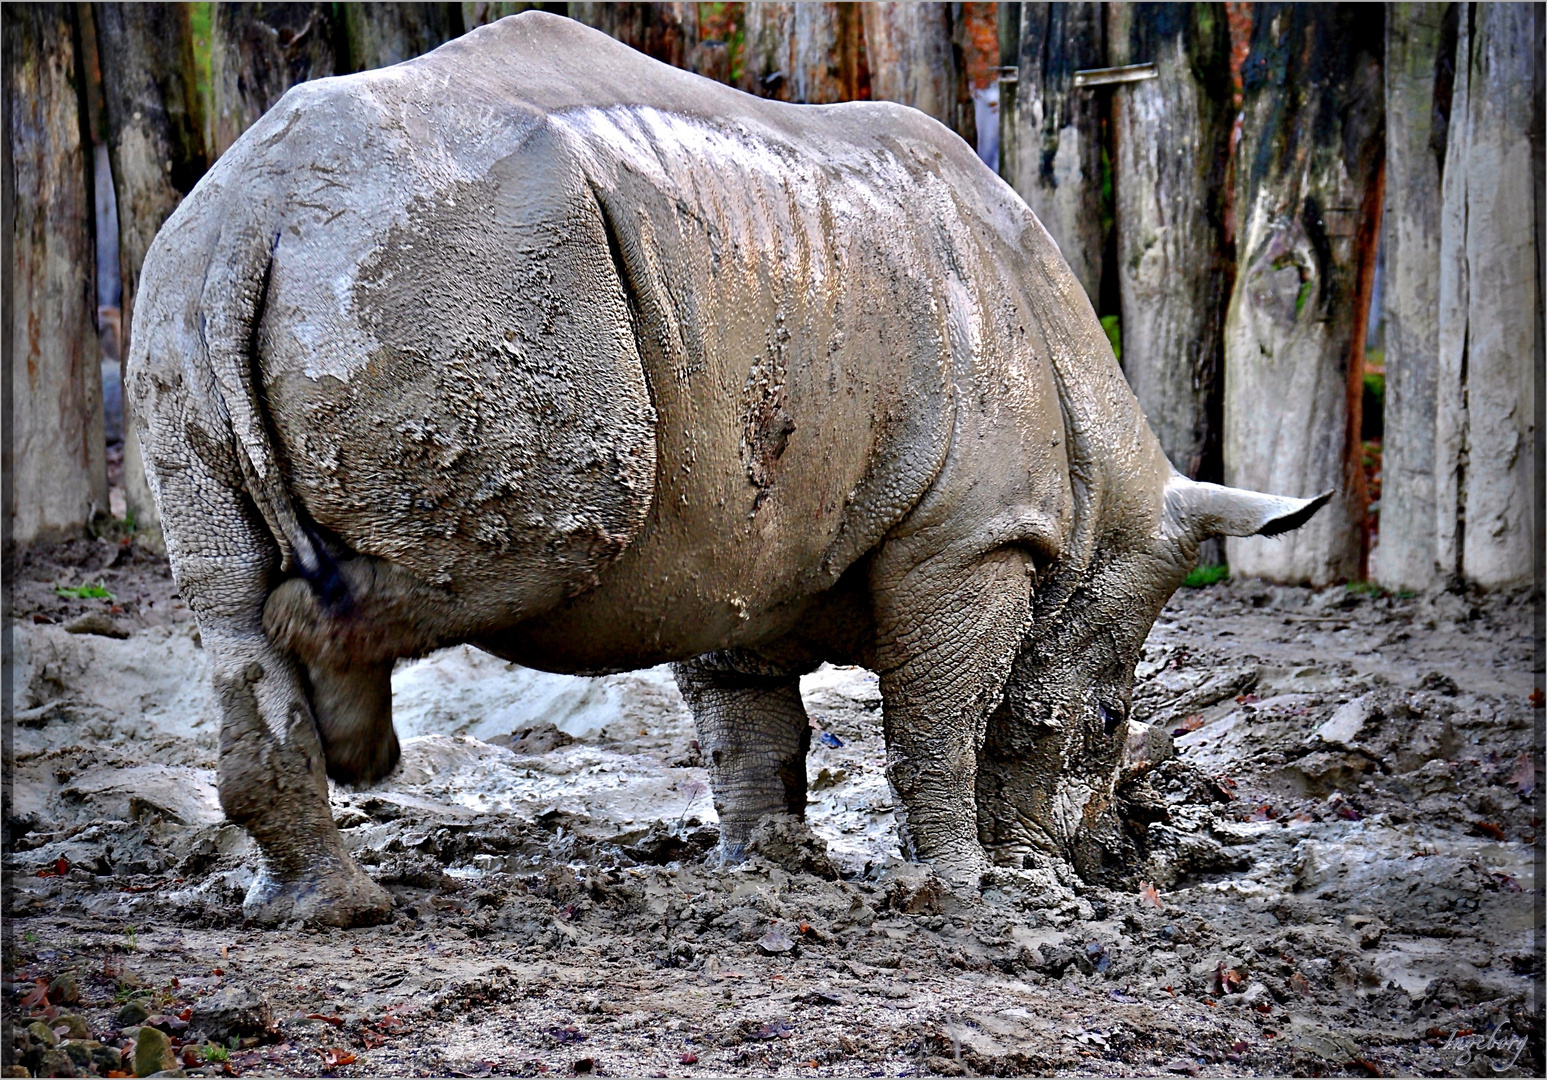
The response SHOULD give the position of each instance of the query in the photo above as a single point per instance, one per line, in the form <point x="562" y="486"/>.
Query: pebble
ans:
<point x="232" y="1011"/>
<point x="134" y="1012"/>
<point x="152" y="1053"/>
<point x="64" y="990"/>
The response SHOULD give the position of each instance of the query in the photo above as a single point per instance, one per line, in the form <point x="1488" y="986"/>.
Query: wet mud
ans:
<point x="1333" y="801"/>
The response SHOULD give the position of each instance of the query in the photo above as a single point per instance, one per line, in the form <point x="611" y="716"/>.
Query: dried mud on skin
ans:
<point x="1335" y="870"/>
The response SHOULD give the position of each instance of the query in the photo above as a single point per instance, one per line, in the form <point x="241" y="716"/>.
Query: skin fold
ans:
<point x="537" y="344"/>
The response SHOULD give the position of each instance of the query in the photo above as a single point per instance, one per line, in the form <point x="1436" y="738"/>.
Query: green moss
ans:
<point x="1375" y="383"/>
<point x="1114" y="328"/>
<point x="1301" y="297"/>
<point x="202" y="18"/>
<point x="1206" y="575"/>
<point x="85" y="592"/>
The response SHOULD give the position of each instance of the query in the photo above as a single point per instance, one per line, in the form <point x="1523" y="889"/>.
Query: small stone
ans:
<point x="232" y="1011"/>
<point x="152" y="1052"/>
<point x="1347" y="723"/>
<point x="775" y="942"/>
<point x="64" y="990"/>
<point x="107" y="1059"/>
<point x="133" y="1013"/>
<point x="174" y="1071"/>
<point x="43" y="1033"/>
<point x="80" y="1051"/>
<point x="75" y="1026"/>
<point x="55" y="1062"/>
<point x="15" y="1070"/>
<point x="94" y="622"/>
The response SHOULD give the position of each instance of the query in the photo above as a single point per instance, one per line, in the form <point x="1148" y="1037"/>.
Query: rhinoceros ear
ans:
<point x="1203" y="510"/>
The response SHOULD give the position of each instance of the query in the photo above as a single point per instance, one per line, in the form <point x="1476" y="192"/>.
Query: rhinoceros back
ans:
<point x="533" y="305"/>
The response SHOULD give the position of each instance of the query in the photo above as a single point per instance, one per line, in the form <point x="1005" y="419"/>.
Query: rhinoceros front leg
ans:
<point x="753" y="729"/>
<point x="947" y="629"/>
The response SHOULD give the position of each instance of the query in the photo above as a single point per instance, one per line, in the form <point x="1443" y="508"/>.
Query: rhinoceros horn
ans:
<point x="1201" y="510"/>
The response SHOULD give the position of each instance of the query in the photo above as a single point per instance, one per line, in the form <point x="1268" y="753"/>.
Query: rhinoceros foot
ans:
<point x="330" y="894"/>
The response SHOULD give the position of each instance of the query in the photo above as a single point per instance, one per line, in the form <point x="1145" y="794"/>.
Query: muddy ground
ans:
<point x="1337" y="804"/>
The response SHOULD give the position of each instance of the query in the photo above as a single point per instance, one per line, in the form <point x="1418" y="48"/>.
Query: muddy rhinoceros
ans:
<point x="538" y="344"/>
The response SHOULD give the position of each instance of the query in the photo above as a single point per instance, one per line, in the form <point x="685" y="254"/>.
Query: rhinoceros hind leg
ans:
<point x="271" y="782"/>
<point x="354" y="720"/>
<point x="947" y="630"/>
<point x="754" y="732"/>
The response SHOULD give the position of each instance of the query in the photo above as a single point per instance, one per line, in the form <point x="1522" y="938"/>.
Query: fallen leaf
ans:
<point x="39" y="992"/>
<point x="1537" y="698"/>
<point x="1150" y="895"/>
<point x="1193" y="722"/>
<point x="1300" y="984"/>
<point x="688" y="1058"/>
<point x="334" y="1020"/>
<point x="1523" y="776"/>
<point x="333" y="1057"/>
<point x="1488" y="829"/>
<point x="370" y="1040"/>
<point x="1246" y="699"/>
<point x="1265" y="812"/>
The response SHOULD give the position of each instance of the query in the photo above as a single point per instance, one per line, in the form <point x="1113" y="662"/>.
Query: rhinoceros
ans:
<point x="537" y="344"/>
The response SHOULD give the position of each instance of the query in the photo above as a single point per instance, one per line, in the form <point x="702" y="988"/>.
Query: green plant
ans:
<point x="85" y="592"/>
<point x="1364" y="588"/>
<point x="131" y="939"/>
<point x="1206" y="575"/>
<point x="29" y="937"/>
<point x="1114" y="328"/>
<point x="214" y="1052"/>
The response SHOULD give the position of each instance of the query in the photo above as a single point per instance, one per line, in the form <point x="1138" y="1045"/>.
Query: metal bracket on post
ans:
<point x="1112" y="76"/>
<point x="1011" y="74"/>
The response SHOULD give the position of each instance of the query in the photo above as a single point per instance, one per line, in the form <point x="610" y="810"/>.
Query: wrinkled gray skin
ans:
<point x="535" y="343"/>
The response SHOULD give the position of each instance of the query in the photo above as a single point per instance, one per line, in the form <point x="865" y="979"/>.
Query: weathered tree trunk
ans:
<point x="1050" y="141"/>
<point x="666" y="31"/>
<point x="381" y="34"/>
<point x="914" y="57"/>
<point x="1308" y="187"/>
<point x="805" y="52"/>
<point x="1171" y="137"/>
<point x="56" y="455"/>
<point x="1487" y="488"/>
<point x="477" y="13"/>
<point x="1420" y="74"/>
<point x="156" y="145"/>
<point x="258" y="52"/>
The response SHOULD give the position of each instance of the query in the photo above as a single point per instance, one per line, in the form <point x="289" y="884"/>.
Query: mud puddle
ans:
<point x="1335" y="799"/>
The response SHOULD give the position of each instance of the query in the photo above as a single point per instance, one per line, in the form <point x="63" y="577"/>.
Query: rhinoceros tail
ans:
<point x="232" y="304"/>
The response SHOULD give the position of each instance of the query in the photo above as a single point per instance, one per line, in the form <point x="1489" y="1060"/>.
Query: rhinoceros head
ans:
<point x="1053" y="748"/>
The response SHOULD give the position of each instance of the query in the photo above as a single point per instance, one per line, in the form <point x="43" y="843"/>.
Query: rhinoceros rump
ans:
<point x="536" y="343"/>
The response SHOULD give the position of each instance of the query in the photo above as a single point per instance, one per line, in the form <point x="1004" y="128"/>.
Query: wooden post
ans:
<point x="56" y="453"/>
<point x="258" y="52"/>
<point x="382" y="34"/>
<point x="1171" y="137"/>
<point x="1052" y="155"/>
<point x="805" y="52"/>
<point x="914" y="58"/>
<point x="1487" y="487"/>
<point x="156" y="146"/>
<point x="1420" y="74"/>
<point x="666" y="31"/>
<point x="1307" y="202"/>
